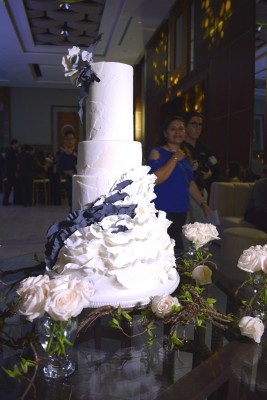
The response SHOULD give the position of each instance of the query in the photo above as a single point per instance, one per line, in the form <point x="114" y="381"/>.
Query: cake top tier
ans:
<point x="109" y="108"/>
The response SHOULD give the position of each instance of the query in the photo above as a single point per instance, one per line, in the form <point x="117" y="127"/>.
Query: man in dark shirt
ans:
<point x="256" y="213"/>
<point x="205" y="164"/>
<point x="66" y="162"/>
<point x="10" y="170"/>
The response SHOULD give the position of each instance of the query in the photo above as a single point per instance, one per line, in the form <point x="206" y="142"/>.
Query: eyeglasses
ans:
<point x="195" y="123"/>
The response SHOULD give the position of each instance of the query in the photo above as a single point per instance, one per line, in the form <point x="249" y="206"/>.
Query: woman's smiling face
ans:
<point x="175" y="132"/>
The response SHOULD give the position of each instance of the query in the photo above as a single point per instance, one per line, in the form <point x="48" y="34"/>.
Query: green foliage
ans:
<point x="57" y="341"/>
<point x="174" y="341"/>
<point x="19" y="370"/>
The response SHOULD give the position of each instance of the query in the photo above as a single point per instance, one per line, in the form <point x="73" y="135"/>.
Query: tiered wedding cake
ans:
<point x="120" y="241"/>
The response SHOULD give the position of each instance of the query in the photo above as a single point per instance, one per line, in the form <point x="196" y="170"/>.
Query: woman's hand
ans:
<point x="178" y="155"/>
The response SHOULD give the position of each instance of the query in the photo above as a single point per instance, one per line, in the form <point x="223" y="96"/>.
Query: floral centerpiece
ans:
<point x="54" y="304"/>
<point x="62" y="299"/>
<point x="254" y="261"/>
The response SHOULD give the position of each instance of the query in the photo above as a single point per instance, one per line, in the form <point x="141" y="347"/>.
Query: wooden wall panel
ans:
<point x="226" y="66"/>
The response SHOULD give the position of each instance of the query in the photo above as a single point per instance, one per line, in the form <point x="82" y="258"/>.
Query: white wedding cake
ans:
<point x="120" y="241"/>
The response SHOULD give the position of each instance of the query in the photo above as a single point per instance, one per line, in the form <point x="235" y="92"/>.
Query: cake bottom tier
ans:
<point x="107" y="294"/>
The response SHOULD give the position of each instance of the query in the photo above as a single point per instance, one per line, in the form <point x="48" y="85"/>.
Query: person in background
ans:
<point x="66" y="162"/>
<point x="256" y="213"/>
<point x="10" y="170"/>
<point x="175" y="179"/>
<point x="26" y="165"/>
<point x="233" y="172"/>
<point x="204" y="163"/>
<point x="2" y="164"/>
<point x="54" y="177"/>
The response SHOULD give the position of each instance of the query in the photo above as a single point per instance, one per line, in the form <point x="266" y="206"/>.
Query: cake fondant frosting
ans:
<point x="109" y="150"/>
<point x="117" y="239"/>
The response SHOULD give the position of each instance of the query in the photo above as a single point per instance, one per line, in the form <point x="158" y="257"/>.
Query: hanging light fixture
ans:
<point x="64" y="31"/>
<point x="64" y="6"/>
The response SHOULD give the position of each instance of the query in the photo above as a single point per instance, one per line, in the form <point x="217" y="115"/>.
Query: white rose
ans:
<point x="252" y="328"/>
<point x="202" y="274"/>
<point x="66" y="300"/>
<point x="253" y="259"/>
<point x="200" y="233"/>
<point x="162" y="305"/>
<point x="34" y="293"/>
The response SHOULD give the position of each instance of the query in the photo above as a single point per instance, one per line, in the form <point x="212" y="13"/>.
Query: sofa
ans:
<point x="231" y="200"/>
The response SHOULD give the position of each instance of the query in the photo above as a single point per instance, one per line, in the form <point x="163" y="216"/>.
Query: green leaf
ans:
<point x="114" y="323"/>
<point x="15" y="373"/>
<point x="150" y="341"/>
<point x="127" y="316"/>
<point x="176" y="309"/>
<point x="174" y="340"/>
<point x="118" y="312"/>
<point x="199" y="320"/>
<point x="210" y="300"/>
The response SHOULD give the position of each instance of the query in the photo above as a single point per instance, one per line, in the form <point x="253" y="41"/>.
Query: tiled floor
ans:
<point x="23" y="232"/>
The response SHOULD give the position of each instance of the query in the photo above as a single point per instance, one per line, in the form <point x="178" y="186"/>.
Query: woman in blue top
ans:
<point x="174" y="183"/>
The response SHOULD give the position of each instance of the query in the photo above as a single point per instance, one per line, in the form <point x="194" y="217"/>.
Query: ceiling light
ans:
<point x="64" y="6"/>
<point x="64" y="32"/>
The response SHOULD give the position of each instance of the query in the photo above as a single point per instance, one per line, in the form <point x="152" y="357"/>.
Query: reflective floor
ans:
<point x="23" y="232"/>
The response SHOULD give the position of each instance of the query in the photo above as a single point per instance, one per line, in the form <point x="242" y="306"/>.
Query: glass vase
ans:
<point x="56" y="339"/>
<point x="260" y="296"/>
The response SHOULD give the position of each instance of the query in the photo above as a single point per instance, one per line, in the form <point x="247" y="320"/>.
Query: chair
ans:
<point x="41" y="190"/>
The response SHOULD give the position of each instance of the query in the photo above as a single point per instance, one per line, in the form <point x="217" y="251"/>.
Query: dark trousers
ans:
<point x="257" y="218"/>
<point x="26" y="191"/>
<point x="10" y="183"/>
<point x="175" y="229"/>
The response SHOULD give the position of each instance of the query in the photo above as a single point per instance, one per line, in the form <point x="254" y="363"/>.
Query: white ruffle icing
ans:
<point x="141" y="257"/>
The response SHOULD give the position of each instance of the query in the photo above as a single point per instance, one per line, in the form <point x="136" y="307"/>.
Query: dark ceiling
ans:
<point x="35" y="34"/>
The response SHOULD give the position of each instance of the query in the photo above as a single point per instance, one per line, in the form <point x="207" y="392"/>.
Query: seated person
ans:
<point x="233" y="172"/>
<point x="256" y="213"/>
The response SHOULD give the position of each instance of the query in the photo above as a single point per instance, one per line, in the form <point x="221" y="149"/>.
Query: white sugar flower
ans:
<point x="87" y="56"/>
<point x="200" y="233"/>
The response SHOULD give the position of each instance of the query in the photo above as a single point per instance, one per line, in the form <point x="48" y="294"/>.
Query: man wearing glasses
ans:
<point x="204" y="163"/>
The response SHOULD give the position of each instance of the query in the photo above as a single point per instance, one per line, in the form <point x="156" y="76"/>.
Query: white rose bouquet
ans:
<point x="60" y="298"/>
<point x="200" y="234"/>
<point x="254" y="261"/>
